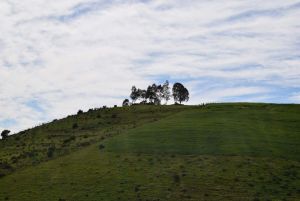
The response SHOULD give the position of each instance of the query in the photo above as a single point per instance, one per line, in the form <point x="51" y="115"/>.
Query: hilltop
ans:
<point x="228" y="151"/>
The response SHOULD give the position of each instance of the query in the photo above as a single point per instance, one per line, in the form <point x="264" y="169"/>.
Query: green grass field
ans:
<point x="215" y="152"/>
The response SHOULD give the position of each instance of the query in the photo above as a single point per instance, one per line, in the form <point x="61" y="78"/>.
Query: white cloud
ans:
<point x="73" y="54"/>
<point x="295" y="98"/>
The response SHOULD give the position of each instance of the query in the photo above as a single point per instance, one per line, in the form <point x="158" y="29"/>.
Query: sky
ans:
<point x="59" y="56"/>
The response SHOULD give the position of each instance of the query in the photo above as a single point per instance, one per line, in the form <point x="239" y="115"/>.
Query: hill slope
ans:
<point x="216" y="152"/>
<point x="60" y="137"/>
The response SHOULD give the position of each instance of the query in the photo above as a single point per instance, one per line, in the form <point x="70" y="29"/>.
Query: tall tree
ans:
<point x="159" y="94"/>
<point x="134" y="94"/>
<point x="142" y="94"/>
<point x="166" y="94"/>
<point x="151" y="94"/>
<point x="4" y="134"/>
<point x="180" y="93"/>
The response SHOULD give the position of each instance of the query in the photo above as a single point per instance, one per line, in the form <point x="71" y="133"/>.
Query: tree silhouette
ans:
<point x="142" y="95"/>
<point x="155" y="94"/>
<point x="4" y="134"/>
<point x="134" y="94"/>
<point x="166" y="94"/>
<point x="152" y="95"/>
<point x="125" y="102"/>
<point x="180" y="93"/>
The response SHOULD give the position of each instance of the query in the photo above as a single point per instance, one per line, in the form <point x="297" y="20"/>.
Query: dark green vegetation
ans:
<point x="155" y="94"/>
<point x="213" y="152"/>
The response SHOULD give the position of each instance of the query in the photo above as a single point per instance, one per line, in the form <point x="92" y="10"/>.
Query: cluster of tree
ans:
<point x="155" y="94"/>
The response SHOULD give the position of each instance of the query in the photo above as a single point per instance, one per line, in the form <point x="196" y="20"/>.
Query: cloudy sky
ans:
<point x="63" y="55"/>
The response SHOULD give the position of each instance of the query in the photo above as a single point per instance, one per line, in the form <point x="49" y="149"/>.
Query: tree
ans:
<point x="125" y="102"/>
<point x="151" y="94"/>
<point x="159" y="94"/>
<point x="142" y="95"/>
<point x="180" y="93"/>
<point x="4" y="134"/>
<point x="134" y="94"/>
<point x="166" y="94"/>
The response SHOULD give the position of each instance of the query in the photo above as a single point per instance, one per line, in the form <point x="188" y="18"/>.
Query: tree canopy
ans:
<point x="180" y="93"/>
<point x="155" y="94"/>
<point x="134" y="94"/>
<point x="4" y="134"/>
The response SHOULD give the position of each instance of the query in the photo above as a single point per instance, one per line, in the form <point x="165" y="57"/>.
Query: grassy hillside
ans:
<point x="64" y="136"/>
<point x="216" y="152"/>
<point x="222" y="129"/>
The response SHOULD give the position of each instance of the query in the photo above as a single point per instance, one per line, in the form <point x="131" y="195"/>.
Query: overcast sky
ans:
<point x="59" y="56"/>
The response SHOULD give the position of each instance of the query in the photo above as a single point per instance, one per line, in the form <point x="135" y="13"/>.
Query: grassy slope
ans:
<point x="255" y="130"/>
<point x="217" y="152"/>
<point x="32" y="146"/>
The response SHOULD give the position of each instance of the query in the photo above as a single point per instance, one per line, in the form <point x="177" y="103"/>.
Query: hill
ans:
<point x="213" y="152"/>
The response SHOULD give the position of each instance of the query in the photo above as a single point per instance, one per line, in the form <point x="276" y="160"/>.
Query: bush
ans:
<point x="113" y="116"/>
<point x="50" y="151"/>
<point x="125" y="103"/>
<point x="80" y="112"/>
<point x="6" y="166"/>
<point x="75" y="125"/>
<point x="83" y="144"/>
<point x="30" y="154"/>
<point x="68" y="140"/>
<point x="137" y="188"/>
<point x="176" y="178"/>
<point x="101" y="146"/>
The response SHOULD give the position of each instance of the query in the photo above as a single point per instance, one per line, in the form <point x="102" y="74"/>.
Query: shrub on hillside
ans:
<point x="101" y="146"/>
<point x="5" y="166"/>
<point x="83" y="144"/>
<point x="68" y="140"/>
<point x="176" y="178"/>
<point x="125" y="103"/>
<point x="75" y="125"/>
<point x="50" y="151"/>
